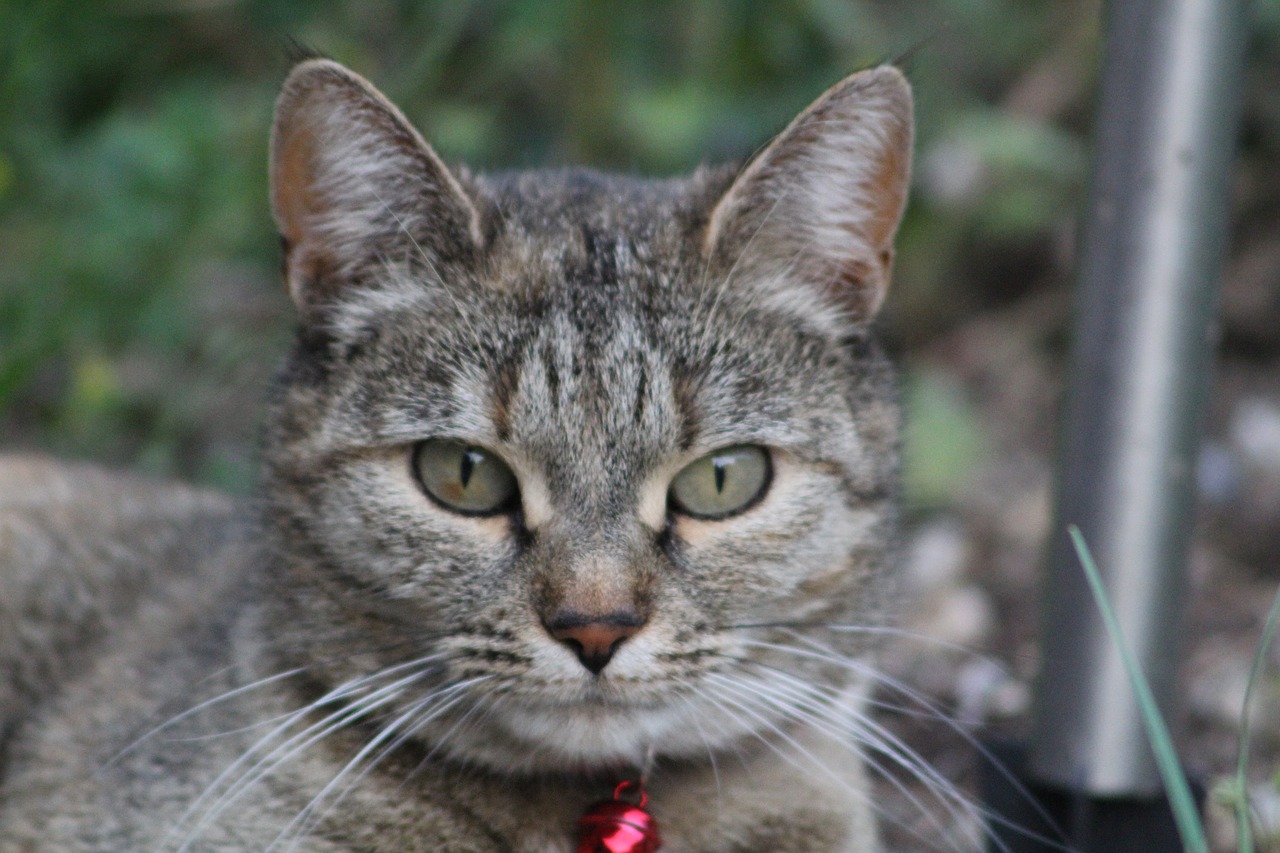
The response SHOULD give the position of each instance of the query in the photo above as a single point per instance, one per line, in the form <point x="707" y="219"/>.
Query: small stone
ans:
<point x="964" y="616"/>
<point x="1255" y="432"/>
<point x="1264" y="805"/>
<point x="1218" y="474"/>
<point x="938" y="554"/>
<point x="986" y="690"/>
<point x="1217" y="692"/>
<point x="1011" y="699"/>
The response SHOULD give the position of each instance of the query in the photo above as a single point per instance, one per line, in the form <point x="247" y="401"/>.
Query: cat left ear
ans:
<point x="816" y="211"/>
<point x="354" y="186"/>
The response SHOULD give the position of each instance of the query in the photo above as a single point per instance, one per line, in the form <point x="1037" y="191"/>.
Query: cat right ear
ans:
<point x="354" y="187"/>
<point x="810" y="220"/>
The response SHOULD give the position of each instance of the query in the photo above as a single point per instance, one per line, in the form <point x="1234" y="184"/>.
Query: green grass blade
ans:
<point x="1176" y="788"/>
<point x="1244" y="829"/>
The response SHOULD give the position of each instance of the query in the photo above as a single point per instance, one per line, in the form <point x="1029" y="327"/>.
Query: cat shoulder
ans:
<point x="82" y="548"/>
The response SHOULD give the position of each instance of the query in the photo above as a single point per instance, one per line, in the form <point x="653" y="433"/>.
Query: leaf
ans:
<point x="1185" y="813"/>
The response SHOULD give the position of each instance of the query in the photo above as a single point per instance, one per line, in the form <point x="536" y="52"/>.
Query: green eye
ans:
<point x="468" y="480"/>
<point x="722" y="483"/>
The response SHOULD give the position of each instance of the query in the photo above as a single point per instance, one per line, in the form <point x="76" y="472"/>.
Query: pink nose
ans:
<point x="594" y="638"/>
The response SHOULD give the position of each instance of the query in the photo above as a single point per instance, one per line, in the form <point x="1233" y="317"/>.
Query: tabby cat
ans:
<point x="569" y="480"/>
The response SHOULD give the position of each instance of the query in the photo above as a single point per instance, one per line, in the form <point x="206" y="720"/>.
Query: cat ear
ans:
<point x="354" y="186"/>
<point x="815" y="212"/>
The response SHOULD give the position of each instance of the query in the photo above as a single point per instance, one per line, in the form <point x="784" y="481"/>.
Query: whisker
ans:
<point x="846" y="739"/>
<point x="309" y="817"/>
<point x="262" y="724"/>
<point x="711" y="755"/>
<point x="444" y="738"/>
<point x="846" y="732"/>
<point x="866" y="729"/>
<point x="267" y="763"/>
<point x="870" y="630"/>
<point x="284" y="752"/>
<point x="747" y="730"/>
<point x="333" y="696"/>
<point x="729" y="684"/>
<point x="864" y="669"/>
<point x="477" y="701"/>
<point x="862" y="796"/>
<point x="174" y="720"/>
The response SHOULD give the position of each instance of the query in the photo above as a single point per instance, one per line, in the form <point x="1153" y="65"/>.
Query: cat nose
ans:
<point x="594" y="639"/>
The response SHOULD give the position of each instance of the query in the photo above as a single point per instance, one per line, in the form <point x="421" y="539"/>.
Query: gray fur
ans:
<point x="596" y="332"/>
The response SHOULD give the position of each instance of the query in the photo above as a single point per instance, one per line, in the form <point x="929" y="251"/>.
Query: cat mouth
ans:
<point x="597" y="698"/>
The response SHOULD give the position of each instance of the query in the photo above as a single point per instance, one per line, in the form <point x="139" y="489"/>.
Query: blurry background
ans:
<point x="141" y="309"/>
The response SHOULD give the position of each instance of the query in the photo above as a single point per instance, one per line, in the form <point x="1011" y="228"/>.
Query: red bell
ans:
<point x="617" y="826"/>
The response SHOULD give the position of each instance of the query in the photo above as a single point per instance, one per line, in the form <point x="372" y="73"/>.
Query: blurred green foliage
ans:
<point x="943" y="445"/>
<point x="139" y="301"/>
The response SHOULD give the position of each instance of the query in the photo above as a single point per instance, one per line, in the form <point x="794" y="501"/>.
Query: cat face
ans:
<point x="566" y="465"/>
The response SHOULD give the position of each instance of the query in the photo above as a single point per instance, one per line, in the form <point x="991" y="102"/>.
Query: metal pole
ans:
<point x="1153" y="240"/>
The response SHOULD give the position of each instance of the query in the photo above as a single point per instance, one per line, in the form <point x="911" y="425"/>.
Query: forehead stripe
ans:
<point x="505" y="382"/>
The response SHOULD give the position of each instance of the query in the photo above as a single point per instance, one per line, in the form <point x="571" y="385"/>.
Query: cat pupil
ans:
<point x="469" y="460"/>
<point x="720" y="465"/>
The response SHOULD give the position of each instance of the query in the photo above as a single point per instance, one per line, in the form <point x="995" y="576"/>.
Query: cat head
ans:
<point x="560" y="460"/>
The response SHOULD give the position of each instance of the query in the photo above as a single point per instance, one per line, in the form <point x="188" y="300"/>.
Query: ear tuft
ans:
<point x="818" y="208"/>
<point x="354" y="186"/>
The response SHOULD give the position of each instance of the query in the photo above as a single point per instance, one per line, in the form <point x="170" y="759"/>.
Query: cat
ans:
<point x="569" y="481"/>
